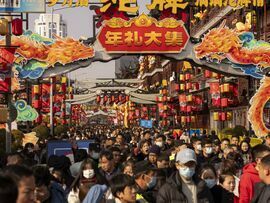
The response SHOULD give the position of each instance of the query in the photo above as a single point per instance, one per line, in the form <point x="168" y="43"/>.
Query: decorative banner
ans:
<point x="143" y="34"/>
<point x="240" y="48"/>
<point x="130" y="6"/>
<point x="25" y="112"/>
<point x="146" y="123"/>
<point x="258" y="102"/>
<point x="215" y="93"/>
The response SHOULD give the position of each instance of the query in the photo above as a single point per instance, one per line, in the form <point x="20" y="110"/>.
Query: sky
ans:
<point x="79" y="23"/>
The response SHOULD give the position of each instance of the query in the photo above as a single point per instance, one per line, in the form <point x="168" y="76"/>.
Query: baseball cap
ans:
<point x="185" y="156"/>
<point x="143" y="167"/>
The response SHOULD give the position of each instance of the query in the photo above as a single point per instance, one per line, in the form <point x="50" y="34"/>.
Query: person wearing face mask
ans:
<point x="160" y="141"/>
<point x="209" y="175"/>
<point x="184" y="185"/>
<point x="146" y="180"/>
<point x="88" y="175"/>
<point x="94" y="151"/>
<point x="197" y="145"/>
<point x="207" y="156"/>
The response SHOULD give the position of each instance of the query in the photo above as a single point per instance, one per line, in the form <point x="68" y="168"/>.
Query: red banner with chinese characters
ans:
<point x="143" y="34"/>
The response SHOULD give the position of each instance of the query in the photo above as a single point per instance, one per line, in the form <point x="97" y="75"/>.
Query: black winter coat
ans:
<point x="171" y="191"/>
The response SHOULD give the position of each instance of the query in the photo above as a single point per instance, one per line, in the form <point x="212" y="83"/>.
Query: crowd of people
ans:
<point x="139" y="165"/>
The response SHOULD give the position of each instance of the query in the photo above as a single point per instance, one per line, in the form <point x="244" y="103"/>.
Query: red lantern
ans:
<point x="224" y="102"/>
<point x="188" y="85"/>
<point x="188" y="76"/>
<point x="127" y="98"/>
<point x="183" y="108"/>
<point x="188" y="119"/>
<point x="189" y="108"/>
<point x="98" y="98"/>
<point x="112" y="98"/>
<point x="17" y="26"/>
<point x="207" y="74"/>
<point x="144" y="109"/>
<point x="223" y="116"/>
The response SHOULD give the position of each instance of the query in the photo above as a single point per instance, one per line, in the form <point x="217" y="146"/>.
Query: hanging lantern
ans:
<point x="98" y="98"/>
<point x="3" y="26"/>
<point x="224" y="102"/>
<point x="189" y="86"/>
<point x="183" y="108"/>
<point x="207" y="74"/>
<point x="193" y="119"/>
<point x="182" y="77"/>
<point x="160" y="105"/>
<point x="137" y="112"/>
<point x="160" y="98"/>
<point x="164" y="83"/>
<point x="64" y="80"/>
<point x="189" y="109"/>
<point x="160" y="91"/>
<point x="165" y="115"/>
<point x="226" y="88"/>
<point x="214" y="75"/>
<point x="188" y="76"/>
<point x="221" y="87"/>
<point x="195" y="86"/>
<point x="112" y="98"/>
<point x="216" y="116"/>
<point x="182" y="87"/>
<point x="223" y="116"/>
<point x="183" y="119"/>
<point x="127" y="98"/>
<point x="36" y="89"/>
<point x="165" y="107"/>
<point x="120" y="97"/>
<point x="189" y="98"/>
<point x="188" y="119"/>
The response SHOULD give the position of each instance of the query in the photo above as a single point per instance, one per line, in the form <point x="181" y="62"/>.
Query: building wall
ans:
<point x="43" y="25"/>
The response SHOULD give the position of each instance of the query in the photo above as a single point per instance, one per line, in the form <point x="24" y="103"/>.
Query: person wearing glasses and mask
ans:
<point x="184" y="185"/>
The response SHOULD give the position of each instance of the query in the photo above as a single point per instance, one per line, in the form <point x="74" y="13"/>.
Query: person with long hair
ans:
<point x="88" y="175"/>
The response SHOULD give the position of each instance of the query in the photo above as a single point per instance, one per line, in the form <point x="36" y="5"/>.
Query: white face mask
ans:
<point x="88" y="173"/>
<point x="95" y="155"/>
<point x="199" y="147"/>
<point x="209" y="150"/>
<point x="160" y="144"/>
<point x="77" y="138"/>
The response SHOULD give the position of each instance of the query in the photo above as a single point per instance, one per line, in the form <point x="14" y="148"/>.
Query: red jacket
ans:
<point x="248" y="180"/>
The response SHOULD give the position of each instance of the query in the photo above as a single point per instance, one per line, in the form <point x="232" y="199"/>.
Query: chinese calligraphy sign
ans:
<point x="143" y="34"/>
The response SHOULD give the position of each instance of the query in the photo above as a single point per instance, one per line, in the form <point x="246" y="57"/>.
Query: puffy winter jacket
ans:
<point x="248" y="180"/>
<point x="171" y="191"/>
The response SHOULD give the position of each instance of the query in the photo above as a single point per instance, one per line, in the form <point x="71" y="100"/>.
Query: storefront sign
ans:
<point x="143" y="34"/>
<point x="146" y="123"/>
<point x="130" y="6"/>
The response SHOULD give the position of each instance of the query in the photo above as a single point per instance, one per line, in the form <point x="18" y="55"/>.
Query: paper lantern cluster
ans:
<point x="222" y="116"/>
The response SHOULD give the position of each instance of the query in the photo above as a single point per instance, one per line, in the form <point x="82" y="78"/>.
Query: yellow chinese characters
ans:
<point x="132" y="38"/>
<point x="124" y="5"/>
<point x="232" y="3"/>
<point x="165" y="4"/>
<point x="69" y="3"/>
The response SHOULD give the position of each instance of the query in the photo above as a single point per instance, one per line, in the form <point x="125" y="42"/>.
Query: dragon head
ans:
<point x="217" y="42"/>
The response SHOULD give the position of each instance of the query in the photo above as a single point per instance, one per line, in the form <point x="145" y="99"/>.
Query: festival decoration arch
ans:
<point x="222" y="50"/>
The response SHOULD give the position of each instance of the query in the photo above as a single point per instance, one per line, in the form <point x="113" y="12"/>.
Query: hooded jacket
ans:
<point x="248" y="180"/>
<point x="171" y="191"/>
